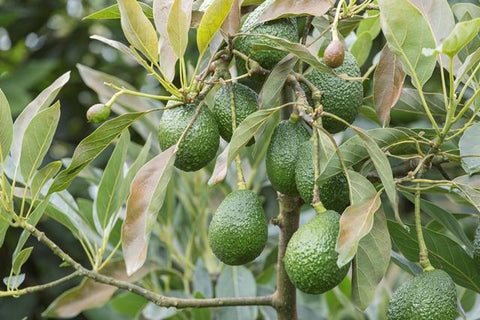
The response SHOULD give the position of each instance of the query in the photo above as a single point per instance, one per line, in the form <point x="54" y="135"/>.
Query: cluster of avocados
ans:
<point x="238" y="230"/>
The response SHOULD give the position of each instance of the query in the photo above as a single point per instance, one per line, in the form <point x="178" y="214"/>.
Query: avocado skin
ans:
<point x="310" y="259"/>
<point x="238" y="231"/>
<point x="268" y="58"/>
<point x="340" y="97"/>
<point x="245" y="100"/>
<point x="201" y="142"/>
<point x="476" y="247"/>
<point x="334" y="192"/>
<point x="282" y="155"/>
<point x="428" y="296"/>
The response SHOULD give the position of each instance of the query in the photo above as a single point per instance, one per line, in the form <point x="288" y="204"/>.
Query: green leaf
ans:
<point x="107" y="201"/>
<point x="147" y="194"/>
<point x="128" y="303"/>
<point x="298" y="50"/>
<point x="361" y="47"/>
<point x="247" y="129"/>
<point x="89" y="294"/>
<point x="380" y="161"/>
<point x="406" y="265"/>
<point x="37" y="140"/>
<point x="327" y="149"/>
<point x="201" y="280"/>
<point x="90" y="147"/>
<point x="354" y="151"/>
<point x="42" y="101"/>
<point x="443" y="252"/>
<point x="470" y="149"/>
<point x="20" y="259"/>
<point x="221" y="166"/>
<point x="462" y="34"/>
<point x="117" y="45"/>
<point x="138" y="30"/>
<point x="355" y="223"/>
<point x="371" y="262"/>
<point x="113" y="12"/>
<point x="178" y="25"/>
<point x="470" y="62"/>
<point x="274" y="84"/>
<point x="236" y="282"/>
<point x="3" y="230"/>
<point x="211" y="22"/>
<point x="6" y="134"/>
<point x="444" y="217"/>
<point x="407" y="33"/>
<point x="42" y="176"/>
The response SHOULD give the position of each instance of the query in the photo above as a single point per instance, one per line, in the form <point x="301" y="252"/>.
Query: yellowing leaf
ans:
<point x="179" y="25"/>
<point x="387" y="84"/>
<point x="137" y="29"/>
<point x="147" y="194"/>
<point x="355" y="222"/>
<point x="6" y="134"/>
<point x="284" y="8"/>
<point x="168" y="59"/>
<point x="211" y="22"/>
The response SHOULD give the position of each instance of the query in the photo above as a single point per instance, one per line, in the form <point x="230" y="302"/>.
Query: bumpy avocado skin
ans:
<point x="245" y="100"/>
<point x="341" y="97"/>
<point x="238" y="231"/>
<point x="267" y="58"/>
<point x="334" y="192"/>
<point x="201" y="142"/>
<point x="429" y="296"/>
<point x="282" y="155"/>
<point x="476" y="247"/>
<point x="310" y="259"/>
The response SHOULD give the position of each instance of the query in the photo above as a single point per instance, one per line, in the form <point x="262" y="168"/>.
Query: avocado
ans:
<point x="476" y="247"/>
<point x="238" y="231"/>
<point x="334" y="191"/>
<point x="201" y="142"/>
<point x="245" y="101"/>
<point x="282" y="154"/>
<point x="428" y="296"/>
<point x="340" y="97"/>
<point x="267" y="58"/>
<point x="310" y="259"/>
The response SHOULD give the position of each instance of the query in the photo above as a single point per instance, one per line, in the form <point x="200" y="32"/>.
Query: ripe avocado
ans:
<point x="429" y="296"/>
<point x="282" y="155"/>
<point x="267" y="58"/>
<point x="201" y="142"/>
<point x="238" y="231"/>
<point x="341" y="97"/>
<point x="245" y="100"/>
<point x="334" y="192"/>
<point x="311" y="259"/>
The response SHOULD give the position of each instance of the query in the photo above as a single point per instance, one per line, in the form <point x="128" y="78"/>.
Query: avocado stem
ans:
<point x="423" y="251"/>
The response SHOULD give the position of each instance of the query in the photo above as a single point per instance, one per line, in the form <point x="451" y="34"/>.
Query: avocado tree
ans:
<point x="349" y="111"/>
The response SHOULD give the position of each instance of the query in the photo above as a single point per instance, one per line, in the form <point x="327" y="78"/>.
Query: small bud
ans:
<point x="334" y="54"/>
<point x="98" y="113"/>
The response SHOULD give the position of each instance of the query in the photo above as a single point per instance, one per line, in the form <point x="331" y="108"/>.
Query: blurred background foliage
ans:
<point x="42" y="39"/>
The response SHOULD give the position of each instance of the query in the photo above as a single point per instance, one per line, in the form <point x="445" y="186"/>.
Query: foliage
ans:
<point x="142" y="226"/>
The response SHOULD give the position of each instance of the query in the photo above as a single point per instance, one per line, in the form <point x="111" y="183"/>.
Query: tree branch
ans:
<point x="20" y="292"/>
<point x="284" y="299"/>
<point x="156" y="298"/>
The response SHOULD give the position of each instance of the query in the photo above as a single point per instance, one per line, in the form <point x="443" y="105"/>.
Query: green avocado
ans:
<point x="267" y="58"/>
<point x="341" y="97"/>
<point x="476" y="247"/>
<point x="310" y="259"/>
<point x="429" y="296"/>
<point x="334" y="192"/>
<point x="238" y="231"/>
<point x="282" y="155"/>
<point x="245" y="101"/>
<point x="201" y="142"/>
